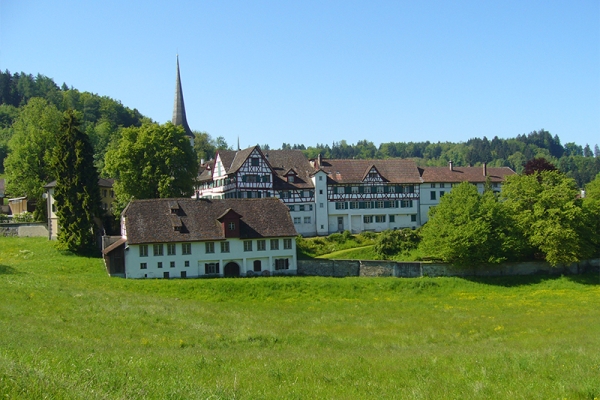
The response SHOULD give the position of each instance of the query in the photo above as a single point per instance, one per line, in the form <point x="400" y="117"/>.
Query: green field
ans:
<point x="67" y="331"/>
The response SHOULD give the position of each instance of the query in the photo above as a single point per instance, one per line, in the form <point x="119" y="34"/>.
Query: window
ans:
<point x="354" y="189"/>
<point x="380" y="218"/>
<point x="320" y="205"/>
<point x="379" y="189"/>
<point x="320" y="191"/>
<point x="367" y="219"/>
<point x="209" y="247"/>
<point x="172" y="264"/>
<point x="340" y="190"/>
<point x="292" y="208"/>
<point x="211" y="268"/>
<point x="247" y="245"/>
<point x="392" y="218"/>
<point x="406" y="203"/>
<point x="290" y="178"/>
<point x="367" y="189"/>
<point x="224" y="247"/>
<point x="432" y="194"/>
<point x="413" y="218"/>
<point x="186" y="248"/>
<point x="441" y="185"/>
<point x="158" y="249"/>
<point x="301" y="207"/>
<point x="320" y="178"/>
<point x="231" y="226"/>
<point x="257" y="265"/>
<point x="166" y="275"/>
<point x="341" y="205"/>
<point x="261" y="245"/>
<point x="143" y="265"/>
<point x="159" y="265"/>
<point x="186" y="263"/>
<point x="287" y="244"/>
<point x="310" y="207"/>
<point x="104" y="192"/>
<point x="184" y="274"/>
<point x="297" y="220"/>
<point x="442" y="193"/>
<point x="171" y="249"/>
<point x="274" y="244"/>
<point x="254" y="161"/>
<point x="144" y="250"/>
<point x="433" y="185"/>
<point x="354" y="205"/>
<point x="112" y="193"/>
<point x="392" y="189"/>
<point x="282" y="263"/>
<point x="307" y="220"/>
<point x="379" y="204"/>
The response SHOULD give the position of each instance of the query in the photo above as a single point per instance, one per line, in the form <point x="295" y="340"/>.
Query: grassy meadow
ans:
<point x="68" y="331"/>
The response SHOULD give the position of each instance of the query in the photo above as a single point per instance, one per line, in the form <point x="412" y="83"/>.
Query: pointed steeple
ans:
<point x="179" y="107"/>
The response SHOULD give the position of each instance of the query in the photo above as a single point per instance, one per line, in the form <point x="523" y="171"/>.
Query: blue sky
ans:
<point x="313" y="72"/>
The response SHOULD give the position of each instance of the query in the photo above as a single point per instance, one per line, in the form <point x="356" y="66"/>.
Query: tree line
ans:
<point x="538" y="215"/>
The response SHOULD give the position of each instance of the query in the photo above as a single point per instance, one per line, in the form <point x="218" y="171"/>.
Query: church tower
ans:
<point x="179" y="108"/>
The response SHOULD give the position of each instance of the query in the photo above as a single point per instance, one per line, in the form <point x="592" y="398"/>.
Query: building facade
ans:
<point x="185" y="238"/>
<point x="327" y="195"/>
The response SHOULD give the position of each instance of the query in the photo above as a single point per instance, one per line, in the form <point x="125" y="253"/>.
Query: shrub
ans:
<point x="23" y="217"/>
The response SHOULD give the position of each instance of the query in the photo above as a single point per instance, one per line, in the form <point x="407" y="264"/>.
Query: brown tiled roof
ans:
<point x="353" y="171"/>
<point x="462" y="174"/>
<point x="151" y="221"/>
<point x="282" y="161"/>
<point x="205" y="171"/>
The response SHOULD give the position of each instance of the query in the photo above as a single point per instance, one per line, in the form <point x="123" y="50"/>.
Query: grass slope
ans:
<point x="69" y="331"/>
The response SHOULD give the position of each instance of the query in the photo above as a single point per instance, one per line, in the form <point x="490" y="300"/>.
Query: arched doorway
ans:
<point x="231" y="270"/>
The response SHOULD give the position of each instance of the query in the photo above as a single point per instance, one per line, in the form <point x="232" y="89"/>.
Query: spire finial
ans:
<point x="179" y="117"/>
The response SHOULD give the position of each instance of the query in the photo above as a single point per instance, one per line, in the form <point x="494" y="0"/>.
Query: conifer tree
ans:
<point x="77" y="194"/>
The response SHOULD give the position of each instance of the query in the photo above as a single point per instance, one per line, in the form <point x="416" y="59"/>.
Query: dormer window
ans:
<point x="231" y="226"/>
<point x="290" y="178"/>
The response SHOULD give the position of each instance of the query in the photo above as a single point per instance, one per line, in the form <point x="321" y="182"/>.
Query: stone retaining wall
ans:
<point x="369" y="268"/>
<point x="25" y="229"/>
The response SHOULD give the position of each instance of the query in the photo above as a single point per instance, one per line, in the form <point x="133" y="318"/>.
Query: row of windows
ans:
<point x="298" y="220"/>
<point x="369" y="219"/>
<point x="301" y="207"/>
<point x="209" y="247"/>
<point x="160" y="264"/>
<point x="256" y="178"/>
<point x="375" y="189"/>
<point x="213" y="268"/>
<point x="355" y="205"/>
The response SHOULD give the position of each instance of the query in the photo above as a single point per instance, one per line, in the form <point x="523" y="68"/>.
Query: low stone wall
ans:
<point x="25" y="229"/>
<point x="369" y="268"/>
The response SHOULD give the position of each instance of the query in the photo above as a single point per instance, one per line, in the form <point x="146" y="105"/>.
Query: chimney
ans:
<point x="319" y="161"/>
<point x="484" y="169"/>
<point x="450" y="164"/>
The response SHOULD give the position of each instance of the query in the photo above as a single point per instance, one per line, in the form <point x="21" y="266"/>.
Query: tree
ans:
<point x="467" y="228"/>
<point x="536" y="165"/>
<point x="77" y="195"/>
<point x="391" y="242"/>
<point x="204" y="146"/>
<point x="545" y="207"/>
<point x="28" y="163"/>
<point x="152" y="161"/>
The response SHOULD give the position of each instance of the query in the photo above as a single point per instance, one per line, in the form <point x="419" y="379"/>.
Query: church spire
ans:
<point x="179" y="107"/>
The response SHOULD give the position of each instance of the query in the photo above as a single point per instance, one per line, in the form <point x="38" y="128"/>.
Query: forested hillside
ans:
<point x="103" y="117"/>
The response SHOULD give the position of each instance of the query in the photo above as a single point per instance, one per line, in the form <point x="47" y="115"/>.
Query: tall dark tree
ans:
<point x="537" y="165"/>
<point x="77" y="194"/>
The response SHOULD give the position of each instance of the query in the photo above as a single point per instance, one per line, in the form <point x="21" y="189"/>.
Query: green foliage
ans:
<point x="23" y="217"/>
<point x="28" y="165"/>
<point x="392" y="242"/>
<point x="466" y="228"/>
<point x="77" y="195"/>
<point x="70" y="332"/>
<point x="318" y="246"/>
<point x="152" y="161"/>
<point x="546" y="209"/>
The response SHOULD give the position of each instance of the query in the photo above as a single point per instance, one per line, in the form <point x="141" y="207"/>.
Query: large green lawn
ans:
<point x="69" y="331"/>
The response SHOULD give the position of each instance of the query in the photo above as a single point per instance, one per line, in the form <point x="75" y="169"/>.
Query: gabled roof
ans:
<point x="150" y="221"/>
<point x="368" y="171"/>
<point x="462" y="174"/>
<point x="353" y="171"/>
<point x="284" y="161"/>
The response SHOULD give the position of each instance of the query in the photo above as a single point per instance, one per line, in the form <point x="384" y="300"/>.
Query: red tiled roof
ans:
<point x="151" y="221"/>
<point x="462" y="174"/>
<point x="354" y="171"/>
